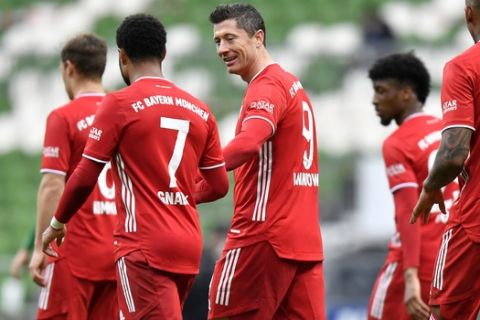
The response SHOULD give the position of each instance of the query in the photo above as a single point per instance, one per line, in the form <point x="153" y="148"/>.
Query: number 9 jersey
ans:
<point x="158" y="137"/>
<point x="283" y="208"/>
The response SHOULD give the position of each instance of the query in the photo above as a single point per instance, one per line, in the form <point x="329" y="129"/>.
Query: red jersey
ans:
<point x="90" y="232"/>
<point x="157" y="136"/>
<point x="409" y="152"/>
<point x="461" y="108"/>
<point x="276" y="192"/>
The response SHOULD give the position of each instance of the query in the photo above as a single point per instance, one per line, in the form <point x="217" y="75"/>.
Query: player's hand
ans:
<point x="416" y="308"/>
<point x="20" y="259"/>
<point x="38" y="262"/>
<point x="425" y="202"/>
<point x="48" y="236"/>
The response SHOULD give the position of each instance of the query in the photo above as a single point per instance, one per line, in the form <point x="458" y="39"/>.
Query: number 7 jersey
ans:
<point x="276" y="192"/>
<point x="158" y="136"/>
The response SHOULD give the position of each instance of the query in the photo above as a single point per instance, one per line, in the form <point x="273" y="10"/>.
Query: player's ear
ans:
<point x="122" y="56"/>
<point x="259" y="38"/>
<point x="468" y="14"/>
<point x="69" y="67"/>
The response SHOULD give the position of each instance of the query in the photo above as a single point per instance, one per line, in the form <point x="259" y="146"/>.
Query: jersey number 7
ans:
<point x="182" y="127"/>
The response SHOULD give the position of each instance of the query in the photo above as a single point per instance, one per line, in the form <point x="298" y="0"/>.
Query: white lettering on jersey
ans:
<point x="262" y="105"/>
<point x="95" y="133"/>
<point x="154" y="100"/>
<point x="173" y="198"/>
<point x="85" y="123"/>
<point x="51" y="152"/>
<point x="429" y="139"/>
<point x="104" y="207"/>
<point x="294" y="88"/>
<point x="305" y="179"/>
<point x="190" y="106"/>
<point x="450" y="105"/>
<point x="395" y="169"/>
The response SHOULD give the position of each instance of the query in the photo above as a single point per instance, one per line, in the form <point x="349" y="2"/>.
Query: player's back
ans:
<point x="461" y="108"/>
<point x="276" y="193"/>
<point x="409" y="152"/>
<point x="165" y="136"/>
<point x="90" y="232"/>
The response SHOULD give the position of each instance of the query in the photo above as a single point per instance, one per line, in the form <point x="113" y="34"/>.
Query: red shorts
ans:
<point x="93" y="300"/>
<point x="387" y="299"/>
<point x="147" y="293"/>
<point x="254" y="283"/>
<point x="456" y="279"/>
<point x="68" y="297"/>
<point x="54" y="298"/>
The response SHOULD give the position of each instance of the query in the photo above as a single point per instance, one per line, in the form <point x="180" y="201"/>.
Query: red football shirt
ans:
<point x="461" y="108"/>
<point x="157" y="136"/>
<point x="409" y="152"/>
<point x="276" y="193"/>
<point x="90" y="232"/>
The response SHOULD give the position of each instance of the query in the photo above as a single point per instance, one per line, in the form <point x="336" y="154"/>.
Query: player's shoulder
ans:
<point x="274" y="77"/>
<point x="63" y="110"/>
<point x="467" y="58"/>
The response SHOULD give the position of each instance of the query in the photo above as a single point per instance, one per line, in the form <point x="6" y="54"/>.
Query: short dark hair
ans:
<point x="142" y="36"/>
<point x="405" y="68"/>
<point x="247" y="17"/>
<point x="88" y="53"/>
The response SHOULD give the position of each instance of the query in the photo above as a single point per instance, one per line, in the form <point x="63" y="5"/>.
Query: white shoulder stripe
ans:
<point x="94" y="159"/>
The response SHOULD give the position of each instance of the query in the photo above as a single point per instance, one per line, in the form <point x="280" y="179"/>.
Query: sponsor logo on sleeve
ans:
<point x="262" y="105"/>
<point x="395" y="169"/>
<point x="51" y="152"/>
<point x="450" y="105"/>
<point x="95" y="134"/>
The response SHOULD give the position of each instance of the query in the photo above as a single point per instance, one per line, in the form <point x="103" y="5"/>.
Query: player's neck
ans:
<point x="263" y="60"/>
<point x="417" y="108"/>
<point x="145" y="69"/>
<point x="87" y="86"/>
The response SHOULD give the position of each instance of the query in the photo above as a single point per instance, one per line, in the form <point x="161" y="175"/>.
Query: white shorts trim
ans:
<point x="381" y="291"/>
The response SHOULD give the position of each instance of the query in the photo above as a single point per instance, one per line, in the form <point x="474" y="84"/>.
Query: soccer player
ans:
<point x="455" y="292"/>
<point x="401" y="85"/>
<point x="158" y="137"/>
<point x="80" y="282"/>
<point x="271" y="266"/>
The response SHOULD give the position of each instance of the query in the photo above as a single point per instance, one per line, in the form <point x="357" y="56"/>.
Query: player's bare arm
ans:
<point x="49" y="193"/>
<point x="450" y="158"/>
<point x="448" y="164"/>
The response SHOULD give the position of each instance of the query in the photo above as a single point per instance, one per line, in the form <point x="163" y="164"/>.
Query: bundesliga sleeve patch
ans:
<point x="51" y="152"/>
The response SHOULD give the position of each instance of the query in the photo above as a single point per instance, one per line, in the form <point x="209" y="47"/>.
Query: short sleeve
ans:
<point x="457" y="97"/>
<point x="56" y="147"/>
<point x="212" y="156"/>
<point x="399" y="171"/>
<point x="105" y="132"/>
<point x="265" y="100"/>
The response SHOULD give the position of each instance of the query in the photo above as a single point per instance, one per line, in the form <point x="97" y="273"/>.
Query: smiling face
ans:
<point x="236" y="48"/>
<point x="388" y="100"/>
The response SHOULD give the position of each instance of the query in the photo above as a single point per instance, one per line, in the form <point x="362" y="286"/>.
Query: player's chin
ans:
<point x="385" y="121"/>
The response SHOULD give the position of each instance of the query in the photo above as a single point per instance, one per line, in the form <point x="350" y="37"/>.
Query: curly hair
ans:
<point x="405" y="68"/>
<point x="143" y="37"/>
<point x="88" y="53"/>
<point x="247" y="17"/>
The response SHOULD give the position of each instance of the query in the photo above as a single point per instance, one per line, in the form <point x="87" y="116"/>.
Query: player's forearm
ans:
<point x="78" y="188"/>
<point x="450" y="158"/>
<point x="410" y="235"/>
<point x="213" y="185"/>
<point x="48" y="197"/>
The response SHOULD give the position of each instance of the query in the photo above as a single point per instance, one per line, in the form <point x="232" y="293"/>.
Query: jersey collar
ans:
<point x="261" y="70"/>
<point x="90" y="94"/>
<point x="414" y="115"/>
